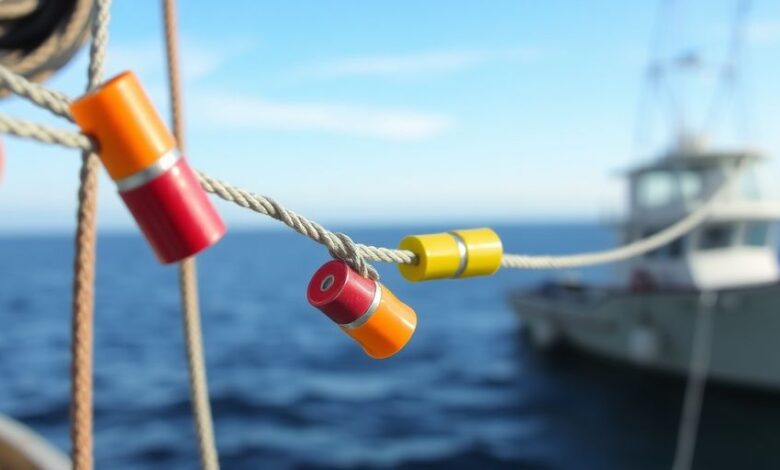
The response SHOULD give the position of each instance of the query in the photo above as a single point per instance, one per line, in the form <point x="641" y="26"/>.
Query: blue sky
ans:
<point x="355" y="112"/>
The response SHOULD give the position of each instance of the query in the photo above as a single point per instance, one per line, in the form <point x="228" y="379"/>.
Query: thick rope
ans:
<point x="338" y="244"/>
<point x="342" y="247"/>
<point x="84" y="279"/>
<point x="47" y="135"/>
<point x="48" y="99"/>
<point x="633" y="249"/>
<point x="56" y="49"/>
<point x="188" y="277"/>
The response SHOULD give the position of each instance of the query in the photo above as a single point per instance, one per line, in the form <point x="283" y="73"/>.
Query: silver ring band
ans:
<point x="370" y="311"/>
<point x="163" y="164"/>
<point x="463" y="251"/>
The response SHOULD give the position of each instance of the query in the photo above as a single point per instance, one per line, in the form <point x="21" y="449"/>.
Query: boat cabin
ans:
<point x="736" y="246"/>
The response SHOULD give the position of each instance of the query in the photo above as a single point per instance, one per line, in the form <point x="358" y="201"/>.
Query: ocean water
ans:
<point x="289" y="390"/>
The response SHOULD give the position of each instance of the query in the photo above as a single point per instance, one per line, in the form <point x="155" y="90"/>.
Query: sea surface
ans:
<point x="289" y="390"/>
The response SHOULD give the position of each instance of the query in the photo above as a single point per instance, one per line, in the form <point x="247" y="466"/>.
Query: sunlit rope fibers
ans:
<point x="188" y="276"/>
<point x="340" y="245"/>
<point x="84" y="267"/>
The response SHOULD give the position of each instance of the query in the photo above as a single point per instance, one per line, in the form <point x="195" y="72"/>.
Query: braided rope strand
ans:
<point x="45" y="98"/>
<point x="47" y="135"/>
<point x="84" y="269"/>
<point x="188" y="276"/>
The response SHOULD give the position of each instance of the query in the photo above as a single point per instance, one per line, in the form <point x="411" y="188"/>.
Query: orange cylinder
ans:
<point x="387" y="330"/>
<point x="120" y="110"/>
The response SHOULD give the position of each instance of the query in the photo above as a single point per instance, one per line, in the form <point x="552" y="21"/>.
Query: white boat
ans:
<point x="649" y="318"/>
<point x="708" y="302"/>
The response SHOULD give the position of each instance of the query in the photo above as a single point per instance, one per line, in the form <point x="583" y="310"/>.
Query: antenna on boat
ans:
<point x="662" y="67"/>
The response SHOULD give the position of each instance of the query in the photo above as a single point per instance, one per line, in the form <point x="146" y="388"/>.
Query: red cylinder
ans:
<point x="174" y="213"/>
<point x="341" y="293"/>
<point x="155" y="182"/>
<point x="364" y="309"/>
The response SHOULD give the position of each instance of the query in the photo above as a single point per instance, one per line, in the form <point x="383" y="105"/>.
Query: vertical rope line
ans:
<point x="188" y="279"/>
<point x="701" y="352"/>
<point x="84" y="269"/>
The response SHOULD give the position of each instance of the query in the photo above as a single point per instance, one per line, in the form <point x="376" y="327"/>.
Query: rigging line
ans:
<point x="45" y="134"/>
<point x="730" y="76"/>
<point x="269" y="207"/>
<point x="339" y="245"/>
<point x="84" y="269"/>
<point x="188" y="277"/>
<point x="636" y="248"/>
<point x="342" y="247"/>
<point x="701" y="353"/>
<point x="652" y="78"/>
<point x="739" y="79"/>
<point x="45" y="98"/>
<point x="677" y="107"/>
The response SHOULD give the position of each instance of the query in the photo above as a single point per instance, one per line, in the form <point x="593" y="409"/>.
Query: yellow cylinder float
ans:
<point x="452" y="255"/>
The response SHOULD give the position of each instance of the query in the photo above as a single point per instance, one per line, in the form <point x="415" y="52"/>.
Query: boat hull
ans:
<point x="655" y="329"/>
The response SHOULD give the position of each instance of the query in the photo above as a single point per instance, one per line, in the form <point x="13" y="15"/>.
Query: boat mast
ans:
<point x="667" y="63"/>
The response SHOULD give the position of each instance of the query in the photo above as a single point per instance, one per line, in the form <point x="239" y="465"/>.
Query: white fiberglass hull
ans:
<point x="655" y="330"/>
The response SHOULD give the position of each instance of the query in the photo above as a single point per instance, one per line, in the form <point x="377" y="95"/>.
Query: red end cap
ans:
<point x="340" y="292"/>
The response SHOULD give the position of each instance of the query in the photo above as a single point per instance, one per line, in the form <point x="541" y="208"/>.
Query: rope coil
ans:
<point x="39" y="37"/>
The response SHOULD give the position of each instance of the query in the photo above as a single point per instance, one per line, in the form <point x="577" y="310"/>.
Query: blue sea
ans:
<point x="289" y="390"/>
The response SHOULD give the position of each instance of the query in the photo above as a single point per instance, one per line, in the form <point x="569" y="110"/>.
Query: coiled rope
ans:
<point x="39" y="37"/>
<point x="339" y="244"/>
<point x="188" y="277"/>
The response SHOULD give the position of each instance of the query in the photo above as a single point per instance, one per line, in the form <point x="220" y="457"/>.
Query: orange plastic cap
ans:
<point x="130" y="133"/>
<point x="388" y="329"/>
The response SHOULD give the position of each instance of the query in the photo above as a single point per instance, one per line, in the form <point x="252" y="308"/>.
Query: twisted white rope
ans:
<point x="637" y="248"/>
<point x="41" y="133"/>
<point x="698" y="369"/>
<point x="339" y="244"/>
<point x="51" y="100"/>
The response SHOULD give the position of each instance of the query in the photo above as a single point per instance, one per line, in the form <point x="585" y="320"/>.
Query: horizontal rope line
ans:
<point x="53" y="101"/>
<point x="340" y="245"/>
<point x="41" y="133"/>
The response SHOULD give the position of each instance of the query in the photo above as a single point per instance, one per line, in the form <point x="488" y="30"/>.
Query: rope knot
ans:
<point x="345" y="249"/>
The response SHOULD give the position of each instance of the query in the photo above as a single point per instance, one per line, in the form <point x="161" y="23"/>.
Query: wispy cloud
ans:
<point x="242" y="112"/>
<point x="417" y="64"/>
<point x="199" y="58"/>
<point x="764" y="32"/>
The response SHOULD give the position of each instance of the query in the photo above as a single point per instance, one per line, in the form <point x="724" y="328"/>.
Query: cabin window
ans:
<point x="691" y="184"/>
<point x="675" y="248"/>
<point x="716" y="236"/>
<point x="661" y="188"/>
<point x="756" y="234"/>
<point x="656" y="189"/>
